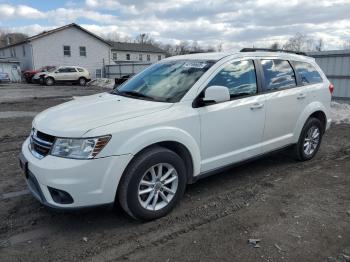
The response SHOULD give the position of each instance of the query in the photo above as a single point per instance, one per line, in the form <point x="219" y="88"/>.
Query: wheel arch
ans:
<point x="175" y="146"/>
<point x="172" y="138"/>
<point x="315" y="109"/>
<point x="320" y="115"/>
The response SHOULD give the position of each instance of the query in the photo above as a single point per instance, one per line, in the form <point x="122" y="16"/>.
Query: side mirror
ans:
<point x="216" y="94"/>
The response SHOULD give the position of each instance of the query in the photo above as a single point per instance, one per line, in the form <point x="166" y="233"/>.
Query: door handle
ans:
<point x="256" y="106"/>
<point x="301" y="96"/>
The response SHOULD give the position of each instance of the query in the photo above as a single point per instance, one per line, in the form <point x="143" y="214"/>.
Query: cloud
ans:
<point x="20" y="11"/>
<point x="233" y="23"/>
<point x="63" y="16"/>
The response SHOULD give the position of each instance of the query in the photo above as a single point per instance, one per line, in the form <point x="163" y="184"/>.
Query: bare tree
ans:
<point x="299" y="42"/>
<point x="9" y="38"/>
<point x="346" y="44"/>
<point x="114" y="36"/>
<point x="275" y="46"/>
<point x="144" y="39"/>
<point x="219" y="48"/>
<point x="319" y="45"/>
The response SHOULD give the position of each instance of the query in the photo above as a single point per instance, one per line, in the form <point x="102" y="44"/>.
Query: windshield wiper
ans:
<point x="134" y="94"/>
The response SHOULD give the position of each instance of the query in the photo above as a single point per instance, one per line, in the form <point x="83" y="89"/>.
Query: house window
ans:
<point x="66" y="50"/>
<point x="24" y="50"/>
<point x="127" y="56"/>
<point x="13" y="52"/>
<point x="114" y="56"/>
<point x="148" y="57"/>
<point x="82" y="50"/>
<point x="140" y="57"/>
<point x="98" y="73"/>
<point x="159" y="57"/>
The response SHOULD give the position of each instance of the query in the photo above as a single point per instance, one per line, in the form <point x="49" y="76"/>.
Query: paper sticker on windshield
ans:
<point x="195" y="64"/>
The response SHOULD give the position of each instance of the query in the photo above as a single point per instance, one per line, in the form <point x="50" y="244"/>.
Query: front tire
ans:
<point x="82" y="81"/>
<point x="309" y="140"/>
<point x="49" y="81"/>
<point x="152" y="184"/>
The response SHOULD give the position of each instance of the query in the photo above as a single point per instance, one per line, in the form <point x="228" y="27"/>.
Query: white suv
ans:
<point x="71" y="74"/>
<point x="179" y="120"/>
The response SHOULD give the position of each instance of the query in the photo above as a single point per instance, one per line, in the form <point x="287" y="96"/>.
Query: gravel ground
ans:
<point x="299" y="211"/>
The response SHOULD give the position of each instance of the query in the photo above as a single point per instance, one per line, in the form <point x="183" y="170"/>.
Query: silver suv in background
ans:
<point x="64" y="74"/>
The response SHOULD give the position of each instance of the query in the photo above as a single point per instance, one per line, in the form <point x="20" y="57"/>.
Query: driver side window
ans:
<point x="239" y="77"/>
<point x="62" y="70"/>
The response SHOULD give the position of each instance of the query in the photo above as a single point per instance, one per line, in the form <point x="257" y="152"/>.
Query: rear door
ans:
<point x="72" y="74"/>
<point x="285" y="101"/>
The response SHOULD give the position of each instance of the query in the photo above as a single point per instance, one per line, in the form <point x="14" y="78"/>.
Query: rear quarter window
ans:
<point x="307" y="73"/>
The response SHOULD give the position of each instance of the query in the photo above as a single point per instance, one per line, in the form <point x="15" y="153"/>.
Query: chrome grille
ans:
<point x="40" y="143"/>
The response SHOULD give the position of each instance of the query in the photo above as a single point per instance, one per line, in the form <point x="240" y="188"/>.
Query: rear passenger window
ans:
<point x="278" y="74"/>
<point x="71" y="70"/>
<point x="307" y="72"/>
<point x="239" y="77"/>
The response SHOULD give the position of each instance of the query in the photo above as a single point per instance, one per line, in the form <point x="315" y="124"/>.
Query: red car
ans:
<point x="28" y="75"/>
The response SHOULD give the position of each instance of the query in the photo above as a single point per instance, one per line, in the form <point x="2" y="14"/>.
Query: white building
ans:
<point x="133" y="52"/>
<point x="74" y="45"/>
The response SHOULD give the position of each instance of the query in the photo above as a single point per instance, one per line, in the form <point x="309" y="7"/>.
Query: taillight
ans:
<point x="331" y="88"/>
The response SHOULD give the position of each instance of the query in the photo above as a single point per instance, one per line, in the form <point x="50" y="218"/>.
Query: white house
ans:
<point x="134" y="52"/>
<point x="73" y="45"/>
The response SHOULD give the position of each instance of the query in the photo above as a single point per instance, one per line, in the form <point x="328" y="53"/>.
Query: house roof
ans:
<point x="135" y="47"/>
<point x="118" y="46"/>
<point x="45" y="33"/>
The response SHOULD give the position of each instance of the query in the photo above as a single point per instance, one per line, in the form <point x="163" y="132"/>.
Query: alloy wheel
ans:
<point x="311" y="141"/>
<point x="158" y="186"/>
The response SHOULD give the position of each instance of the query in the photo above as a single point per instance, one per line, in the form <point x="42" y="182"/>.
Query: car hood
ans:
<point x="76" y="117"/>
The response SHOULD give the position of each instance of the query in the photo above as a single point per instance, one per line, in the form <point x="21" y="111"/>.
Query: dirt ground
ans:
<point x="299" y="211"/>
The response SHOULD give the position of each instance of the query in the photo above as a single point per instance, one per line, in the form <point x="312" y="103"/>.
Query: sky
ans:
<point x="234" y="24"/>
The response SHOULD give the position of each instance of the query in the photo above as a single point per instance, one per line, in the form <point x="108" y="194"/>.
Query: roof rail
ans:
<point x="272" y="50"/>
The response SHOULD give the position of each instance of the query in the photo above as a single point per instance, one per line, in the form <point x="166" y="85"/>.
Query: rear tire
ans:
<point x="155" y="196"/>
<point x="309" y="140"/>
<point x="49" y="81"/>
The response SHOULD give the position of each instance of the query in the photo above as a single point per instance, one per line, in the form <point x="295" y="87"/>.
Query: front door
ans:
<point x="232" y="131"/>
<point x="61" y="74"/>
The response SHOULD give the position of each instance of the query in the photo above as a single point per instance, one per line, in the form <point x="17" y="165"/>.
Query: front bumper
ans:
<point x="89" y="182"/>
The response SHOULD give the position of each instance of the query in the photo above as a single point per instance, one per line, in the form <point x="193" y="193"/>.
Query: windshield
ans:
<point x="51" y="69"/>
<point x="165" y="82"/>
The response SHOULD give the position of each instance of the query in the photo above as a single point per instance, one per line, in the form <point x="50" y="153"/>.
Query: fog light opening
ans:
<point x="60" y="196"/>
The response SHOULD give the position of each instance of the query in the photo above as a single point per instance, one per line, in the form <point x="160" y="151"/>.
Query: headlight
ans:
<point x="79" y="148"/>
